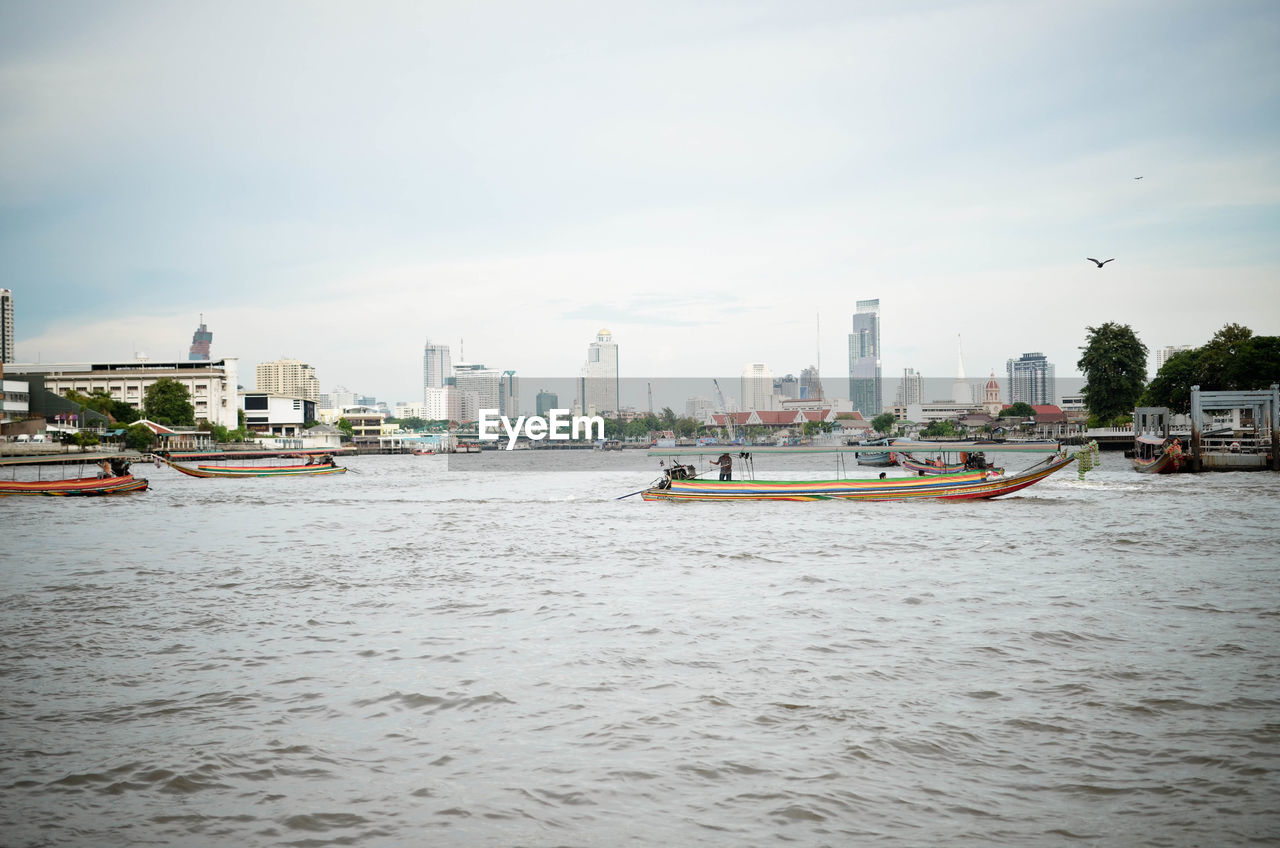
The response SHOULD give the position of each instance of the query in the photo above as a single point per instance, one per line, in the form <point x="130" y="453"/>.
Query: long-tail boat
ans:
<point x="117" y="481"/>
<point x="1157" y="455"/>
<point x="291" y="470"/>
<point x="678" y="483"/>
<point x="878" y="459"/>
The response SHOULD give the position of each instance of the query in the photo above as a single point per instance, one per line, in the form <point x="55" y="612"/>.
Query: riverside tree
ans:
<point x="1233" y="360"/>
<point x="168" y="402"/>
<point x="883" y="423"/>
<point x="1114" y="363"/>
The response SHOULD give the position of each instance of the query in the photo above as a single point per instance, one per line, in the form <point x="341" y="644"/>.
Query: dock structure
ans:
<point x="1253" y="445"/>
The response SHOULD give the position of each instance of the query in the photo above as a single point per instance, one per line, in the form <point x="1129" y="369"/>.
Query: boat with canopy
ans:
<point x="113" y="478"/>
<point x="679" y="481"/>
<point x="246" y="464"/>
<point x="1157" y="455"/>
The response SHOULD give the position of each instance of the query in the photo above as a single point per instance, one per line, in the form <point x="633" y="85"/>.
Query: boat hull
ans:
<point x="972" y="485"/>
<point x="76" y="487"/>
<point x="1165" y="463"/>
<point x="264" y="471"/>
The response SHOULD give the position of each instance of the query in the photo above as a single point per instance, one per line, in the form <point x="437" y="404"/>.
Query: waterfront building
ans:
<point x="290" y="377"/>
<point x="1163" y="354"/>
<point x="478" y="388"/>
<point x="991" y="402"/>
<point x="598" y="387"/>
<point x="366" y="421"/>
<point x="546" y="402"/>
<point x="911" y="389"/>
<point x="201" y="339"/>
<point x="1031" y="379"/>
<point x="15" y="398"/>
<point x="6" y="325"/>
<point x="509" y="395"/>
<point x="756" y="385"/>
<point x="276" y="415"/>
<point x="212" y="385"/>
<point x="864" y="359"/>
<point x="810" y="384"/>
<point x="436" y="368"/>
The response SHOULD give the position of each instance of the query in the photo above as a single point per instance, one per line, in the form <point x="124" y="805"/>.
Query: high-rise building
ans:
<point x="509" y="394"/>
<point x="757" y="387"/>
<point x="6" y="325"/>
<point x="911" y="389"/>
<point x="200" y="341"/>
<point x="1163" y="354"/>
<point x="478" y="388"/>
<point x="787" y="387"/>
<point x="810" y="384"/>
<point x="698" y="408"/>
<point x="864" y="360"/>
<point x="435" y="366"/>
<point x="290" y="377"/>
<point x="547" y="401"/>
<point x="1031" y="379"/>
<point x="598" y="386"/>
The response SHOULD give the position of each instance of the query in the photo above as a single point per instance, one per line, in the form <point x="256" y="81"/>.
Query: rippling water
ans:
<point x="412" y="655"/>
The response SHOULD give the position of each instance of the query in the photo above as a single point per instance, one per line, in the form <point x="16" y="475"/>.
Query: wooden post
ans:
<point x="1275" y="426"/>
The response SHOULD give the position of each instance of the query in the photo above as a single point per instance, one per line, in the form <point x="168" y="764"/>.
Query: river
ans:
<point x="425" y="652"/>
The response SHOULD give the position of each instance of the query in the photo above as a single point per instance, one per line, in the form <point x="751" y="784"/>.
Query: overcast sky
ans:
<point x="718" y="183"/>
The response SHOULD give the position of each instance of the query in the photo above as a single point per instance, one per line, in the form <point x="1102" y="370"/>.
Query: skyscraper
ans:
<point x="810" y="384"/>
<point x="6" y="325"/>
<point x="478" y="387"/>
<point x="911" y="389"/>
<point x="435" y="367"/>
<point x="200" y="341"/>
<point x="288" y="377"/>
<point x="1031" y="379"/>
<point x="1163" y="354"/>
<point x="757" y="387"/>
<point x="547" y="401"/>
<point x="598" y="385"/>
<point x="864" y="359"/>
<point x="509" y="394"/>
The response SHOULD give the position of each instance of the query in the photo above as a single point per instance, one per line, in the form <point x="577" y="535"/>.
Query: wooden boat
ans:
<point x="254" y="470"/>
<point x="878" y="459"/>
<point x="678" y="483"/>
<point x="114" y="479"/>
<point x="1156" y="455"/>
<point x="75" y="486"/>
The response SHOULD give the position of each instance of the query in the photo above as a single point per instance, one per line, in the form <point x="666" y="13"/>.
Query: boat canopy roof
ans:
<point x="1151" y="440"/>
<point x="900" y="445"/>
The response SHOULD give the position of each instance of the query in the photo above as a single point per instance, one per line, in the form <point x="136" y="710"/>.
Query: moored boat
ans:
<point x="255" y="470"/>
<point x="1156" y="455"/>
<point x="75" y="486"/>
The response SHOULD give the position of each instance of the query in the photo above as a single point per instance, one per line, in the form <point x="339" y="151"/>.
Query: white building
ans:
<point x="436" y="369"/>
<point x="698" y="407"/>
<point x="911" y="389"/>
<point x="1163" y="354"/>
<point x="276" y="415"/>
<point x="598" y="383"/>
<point x="756" y="387"/>
<point x="212" y="385"/>
<point x="15" y="399"/>
<point x="478" y="387"/>
<point x="290" y="377"/>
<point x="443" y="404"/>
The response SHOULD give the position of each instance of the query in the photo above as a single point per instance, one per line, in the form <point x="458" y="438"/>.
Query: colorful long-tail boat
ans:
<point x="75" y="486"/>
<point x="1156" y="455"/>
<point x="678" y="483"/>
<point x="255" y="470"/>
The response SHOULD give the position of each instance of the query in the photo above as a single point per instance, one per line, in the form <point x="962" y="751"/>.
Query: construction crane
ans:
<point x="724" y="407"/>
<point x="650" y="385"/>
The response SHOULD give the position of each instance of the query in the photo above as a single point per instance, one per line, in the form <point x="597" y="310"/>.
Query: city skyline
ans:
<point x="166" y="162"/>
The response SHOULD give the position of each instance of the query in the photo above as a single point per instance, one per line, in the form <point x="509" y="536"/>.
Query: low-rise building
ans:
<point x="212" y="385"/>
<point x="276" y="415"/>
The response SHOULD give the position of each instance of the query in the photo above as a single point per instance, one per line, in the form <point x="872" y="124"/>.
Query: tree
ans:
<point x="168" y="402"/>
<point x="1021" y="409"/>
<point x="139" y="438"/>
<point x="883" y="422"/>
<point x="1114" y="363"/>
<point x="1233" y="360"/>
<point x="1172" y="384"/>
<point x="668" y="418"/>
<point x="939" y="429"/>
<point x="687" y="427"/>
<point x="348" y="431"/>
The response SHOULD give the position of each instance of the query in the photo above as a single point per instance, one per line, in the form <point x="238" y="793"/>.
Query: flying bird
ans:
<point x="1137" y="178"/>
<point x="1103" y="262"/>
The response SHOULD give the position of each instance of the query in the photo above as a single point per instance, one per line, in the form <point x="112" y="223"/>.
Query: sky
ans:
<point x="715" y="182"/>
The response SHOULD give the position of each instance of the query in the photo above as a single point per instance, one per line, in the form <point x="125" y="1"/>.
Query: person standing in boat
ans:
<point x="726" y="466"/>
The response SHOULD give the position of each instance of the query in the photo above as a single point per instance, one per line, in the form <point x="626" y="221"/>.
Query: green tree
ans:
<point x="413" y="424"/>
<point x="883" y="423"/>
<point x="687" y="427"/>
<point x="1114" y="363"/>
<point x="668" y="418"/>
<point x="1021" y="409"/>
<point x="348" y="431"/>
<point x="1172" y="384"/>
<point x="139" y="438"/>
<point x="168" y="402"/>
<point x="939" y="430"/>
